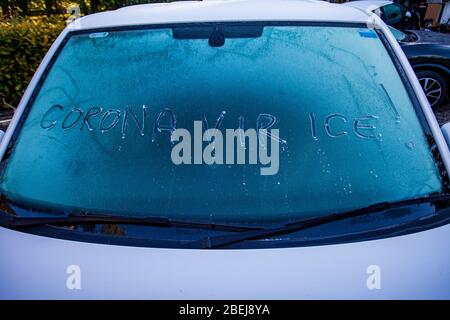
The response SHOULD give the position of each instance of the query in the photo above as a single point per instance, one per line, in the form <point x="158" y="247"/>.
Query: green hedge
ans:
<point x="23" y="44"/>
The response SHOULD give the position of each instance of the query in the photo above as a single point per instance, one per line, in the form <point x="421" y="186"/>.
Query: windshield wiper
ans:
<point x="244" y="232"/>
<point x="225" y="240"/>
<point x="10" y="221"/>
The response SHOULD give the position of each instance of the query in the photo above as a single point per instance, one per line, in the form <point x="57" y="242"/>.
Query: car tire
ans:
<point x="434" y="86"/>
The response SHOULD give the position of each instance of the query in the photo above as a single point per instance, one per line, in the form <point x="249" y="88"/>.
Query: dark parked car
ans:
<point x="392" y="13"/>
<point x="429" y="54"/>
<point x="427" y="51"/>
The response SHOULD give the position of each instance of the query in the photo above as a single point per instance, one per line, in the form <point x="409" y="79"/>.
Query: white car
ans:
<point x="335" y="185"/>
<point x="390" y="12"/>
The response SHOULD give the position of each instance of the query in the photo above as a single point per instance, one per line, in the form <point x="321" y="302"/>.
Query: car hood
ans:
<point x="413" y="266"/>
<point x="431" y="37"/>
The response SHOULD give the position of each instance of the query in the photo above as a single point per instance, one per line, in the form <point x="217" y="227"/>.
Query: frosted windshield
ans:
<point x="98" y="137"/>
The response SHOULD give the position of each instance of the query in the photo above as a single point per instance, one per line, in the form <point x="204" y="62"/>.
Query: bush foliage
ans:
<point x="23" y="44"/>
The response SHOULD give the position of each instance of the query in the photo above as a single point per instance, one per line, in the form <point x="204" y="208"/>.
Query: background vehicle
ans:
<point x="427" y="51"/>
<point x="429" y="54"/>
<point x="88" y="188"/>
<point x="393" y="14"/>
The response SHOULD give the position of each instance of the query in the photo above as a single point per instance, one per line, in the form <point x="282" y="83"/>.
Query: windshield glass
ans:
<point x="117" y="126"/>
<point x="398" y="35"/>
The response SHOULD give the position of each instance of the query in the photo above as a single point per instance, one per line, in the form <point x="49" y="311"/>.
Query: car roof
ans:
<point x="222" y="10"/>
<point x="366" y="4"/>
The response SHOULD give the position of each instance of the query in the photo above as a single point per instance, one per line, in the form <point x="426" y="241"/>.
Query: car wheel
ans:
<point x="434" y="86"/>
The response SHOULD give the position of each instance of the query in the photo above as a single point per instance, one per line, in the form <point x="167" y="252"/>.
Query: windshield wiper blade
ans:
<point x="71" y="219"/>
<point x="294" y="226"/>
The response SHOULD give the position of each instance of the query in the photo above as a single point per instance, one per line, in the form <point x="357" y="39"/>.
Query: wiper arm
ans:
<point x="9" y="221"/>
<point x="225" y="240"/>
